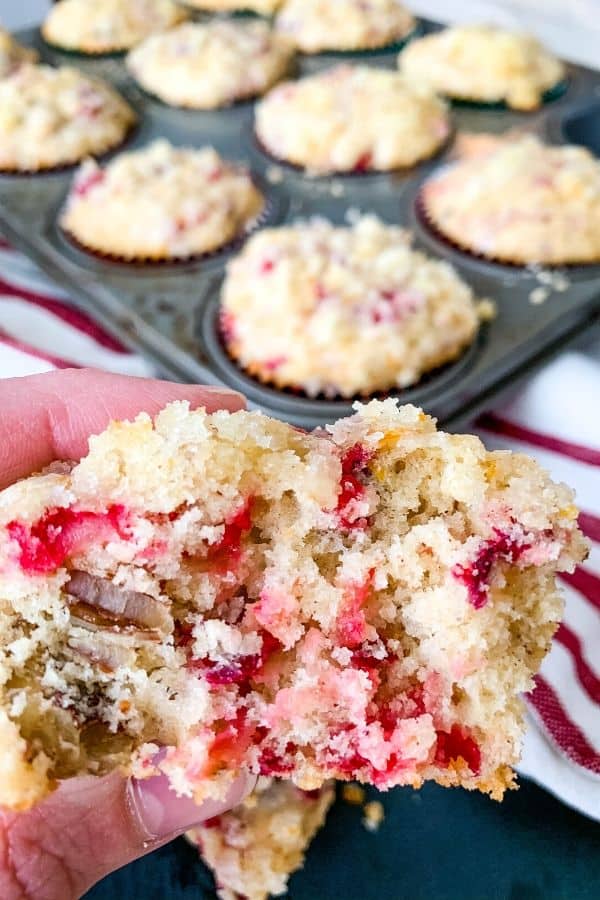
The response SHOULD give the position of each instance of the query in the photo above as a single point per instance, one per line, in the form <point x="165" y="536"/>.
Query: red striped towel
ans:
<point x="553" y="418"/>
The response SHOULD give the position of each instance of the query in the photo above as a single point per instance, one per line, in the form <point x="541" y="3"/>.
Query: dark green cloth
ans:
<point x="435" y="844"/>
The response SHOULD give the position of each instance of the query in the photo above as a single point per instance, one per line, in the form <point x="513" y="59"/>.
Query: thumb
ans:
<point x="91" y="826"/>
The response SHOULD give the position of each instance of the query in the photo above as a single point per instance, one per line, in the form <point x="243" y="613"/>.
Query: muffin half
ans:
<point x="366" y="602"/>
<point x="253" y="850"/>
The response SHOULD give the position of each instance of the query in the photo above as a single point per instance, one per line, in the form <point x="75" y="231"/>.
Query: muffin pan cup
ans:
<point x="170" y="311"/>
<point x="366" y="54"/>
<point x="427" y="224"/>
<point x="549" y="96"/>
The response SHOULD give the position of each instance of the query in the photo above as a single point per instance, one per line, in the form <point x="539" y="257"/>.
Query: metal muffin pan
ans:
<point x="169" y="312"/>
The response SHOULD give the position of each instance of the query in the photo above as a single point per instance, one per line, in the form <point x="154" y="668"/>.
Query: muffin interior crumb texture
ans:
<point x="253" y="849"/>
<point x="363" y="603"/>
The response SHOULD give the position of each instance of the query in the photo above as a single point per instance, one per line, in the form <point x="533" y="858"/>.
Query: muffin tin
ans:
<point x="169" y="311"/>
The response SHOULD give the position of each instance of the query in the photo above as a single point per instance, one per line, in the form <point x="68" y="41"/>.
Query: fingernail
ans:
<point x="221" y="391"/>
<point x="161" y="813"/>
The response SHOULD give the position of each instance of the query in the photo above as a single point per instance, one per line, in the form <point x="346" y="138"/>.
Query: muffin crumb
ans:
<point x="353" y="794"/>
<point x="374" y="815"/>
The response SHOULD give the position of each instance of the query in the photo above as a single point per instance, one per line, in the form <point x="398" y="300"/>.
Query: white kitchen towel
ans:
<point x="554" y="417"/>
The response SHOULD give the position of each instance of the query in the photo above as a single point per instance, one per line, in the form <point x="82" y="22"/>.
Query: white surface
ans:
<point x="21" y="13"/>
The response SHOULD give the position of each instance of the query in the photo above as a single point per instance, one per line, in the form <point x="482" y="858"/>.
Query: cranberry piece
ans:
<point x="275" y="363"/>
<point x="45" y="545"/>
<point x="476" y="576"/>
<point x="275" y="764"/>
<point x="85" y="184"/>
<point x="354" y="466"/>
<point x="320" y="292"/>
<point x="352" y="624"/>
<point x="231" y="744"/>
<point x="228" y="549"/>
<point x="239" y="671"/>
<point x="266" y="266"/>
<point x="363" y="163"/>
<point x="227" y="325"/>
<point x="455" y="744"/>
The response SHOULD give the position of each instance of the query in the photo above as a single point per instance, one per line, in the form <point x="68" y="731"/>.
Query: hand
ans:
<point x="89" y="826"/>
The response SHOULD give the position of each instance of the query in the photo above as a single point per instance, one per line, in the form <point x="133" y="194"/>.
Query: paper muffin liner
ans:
<point x="549" y="96"/>
<point x="69" y="165"/>
<point x="114" y="52"/>
<point x="240" y="13"/>
<point x="358" y="53"/>
<point x="351" y="173"/>
<point x="266" y="216"/>
<point x="270" y="380"/>
<point x="428" y="223"/>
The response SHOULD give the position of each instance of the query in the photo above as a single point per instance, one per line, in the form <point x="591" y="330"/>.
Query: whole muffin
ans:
<point x="483" y="63"/>
<point x="160" y="202"/>
<point x="320" y="25"/>
<point x="12" y="54"/>
<point x="522" y="202"/>
<point x="393" y="122"/>
<point x="54" y="117"/>
<point x="262" y="7"/>
<point x="207" y="66"/>
<point x="104" y="26"/>
<point x="343" y="311"/>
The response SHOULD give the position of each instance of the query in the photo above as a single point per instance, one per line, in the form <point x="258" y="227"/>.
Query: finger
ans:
<point x="89" y="828"/>
<point x="51" y="416"/>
